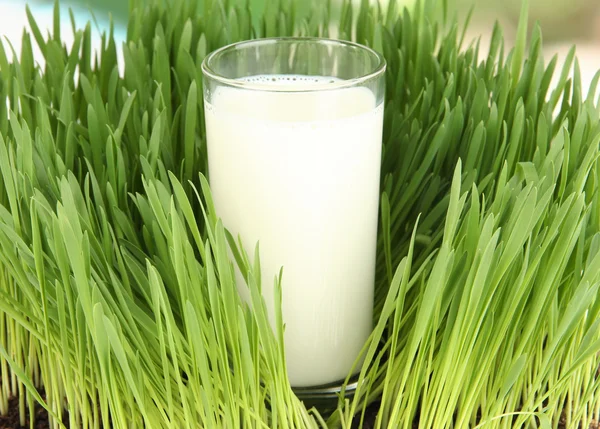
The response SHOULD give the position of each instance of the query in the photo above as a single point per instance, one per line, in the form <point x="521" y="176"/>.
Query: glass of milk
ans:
<point x="294" y="129"/>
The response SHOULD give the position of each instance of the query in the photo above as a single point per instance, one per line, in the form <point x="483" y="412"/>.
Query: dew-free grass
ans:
<point x="117" y="294"/>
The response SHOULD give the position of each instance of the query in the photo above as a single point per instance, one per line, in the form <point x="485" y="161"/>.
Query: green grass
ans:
<point x="119" y="10"/>
<point x="117" y="294"/>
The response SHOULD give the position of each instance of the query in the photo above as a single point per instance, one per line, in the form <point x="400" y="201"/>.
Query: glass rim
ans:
<point x="211" y="73"/>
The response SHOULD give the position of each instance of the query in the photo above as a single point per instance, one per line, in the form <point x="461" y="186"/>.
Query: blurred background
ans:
<point x="563" y="22"/>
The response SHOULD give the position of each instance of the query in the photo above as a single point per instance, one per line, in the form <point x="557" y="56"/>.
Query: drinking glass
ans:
<point x="294" y="129"/>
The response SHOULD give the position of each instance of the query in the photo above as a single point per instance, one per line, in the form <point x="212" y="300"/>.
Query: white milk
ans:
<point x="299" y="171"/>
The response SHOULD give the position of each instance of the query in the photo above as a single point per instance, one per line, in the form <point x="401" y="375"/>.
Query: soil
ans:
<point x="11" y="420"/>
<point x="369" y="420"/>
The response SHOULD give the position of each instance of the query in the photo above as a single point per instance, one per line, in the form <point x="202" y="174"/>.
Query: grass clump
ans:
<point x="118" y="297"/>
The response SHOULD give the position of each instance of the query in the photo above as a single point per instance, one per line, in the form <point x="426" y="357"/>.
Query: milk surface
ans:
<point x="299" y="173"/>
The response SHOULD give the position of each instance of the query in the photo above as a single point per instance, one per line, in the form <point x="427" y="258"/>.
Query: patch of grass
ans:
<point x="117" y="294"/>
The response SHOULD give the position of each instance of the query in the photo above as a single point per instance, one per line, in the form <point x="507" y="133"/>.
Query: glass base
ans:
<point x="325" y="398"/>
